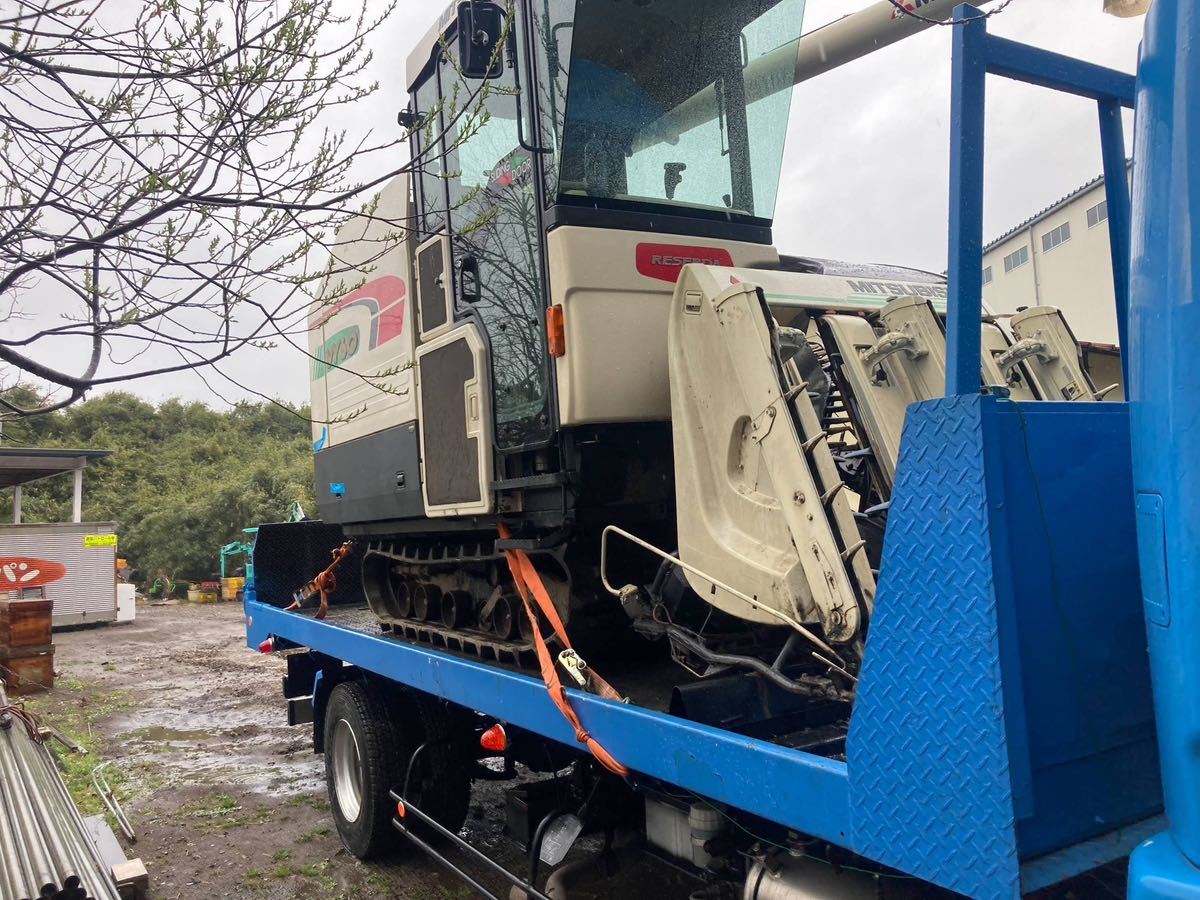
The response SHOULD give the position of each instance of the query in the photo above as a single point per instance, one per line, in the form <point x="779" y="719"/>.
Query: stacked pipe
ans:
<point x="45" y="848"/>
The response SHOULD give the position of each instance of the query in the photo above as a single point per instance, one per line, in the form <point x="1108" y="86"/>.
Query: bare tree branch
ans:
<point x="169" y="183"/>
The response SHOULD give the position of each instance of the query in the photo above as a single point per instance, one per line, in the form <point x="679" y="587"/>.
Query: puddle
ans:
<point x="216" y="727"/>
<point x="166" y="734"/>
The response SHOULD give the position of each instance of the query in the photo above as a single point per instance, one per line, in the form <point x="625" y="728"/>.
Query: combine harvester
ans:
<point x="858" y="561"/>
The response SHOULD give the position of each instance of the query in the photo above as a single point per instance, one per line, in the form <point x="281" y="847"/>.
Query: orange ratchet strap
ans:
<point x="528" y="582"/>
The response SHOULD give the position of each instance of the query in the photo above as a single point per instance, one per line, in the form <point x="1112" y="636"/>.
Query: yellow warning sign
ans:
<point x="99" y="540"/>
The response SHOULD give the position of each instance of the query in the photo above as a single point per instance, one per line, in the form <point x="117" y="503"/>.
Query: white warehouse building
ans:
<point x="1061" y="257"/>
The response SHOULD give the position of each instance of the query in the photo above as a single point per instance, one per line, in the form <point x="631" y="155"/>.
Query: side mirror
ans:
<point x="468" y="280"/>
<point x="480" y="30"/>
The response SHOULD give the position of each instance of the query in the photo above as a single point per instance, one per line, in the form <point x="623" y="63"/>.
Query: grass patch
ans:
<point x="220" y="812"/>
<point x="310" y="836"/>
<point x="282" y="855"/>
<point x="377" y="882"/>
<point x="74" y="708"/>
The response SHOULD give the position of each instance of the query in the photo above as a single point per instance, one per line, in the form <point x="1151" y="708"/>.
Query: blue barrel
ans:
<point x="1164" y="391"/>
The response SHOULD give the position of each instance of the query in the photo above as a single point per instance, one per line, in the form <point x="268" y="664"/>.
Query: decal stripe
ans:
<point x="381" y="294"/>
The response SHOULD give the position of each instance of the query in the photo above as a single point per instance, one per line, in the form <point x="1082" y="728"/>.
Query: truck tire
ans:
<point x="370" y="735"/>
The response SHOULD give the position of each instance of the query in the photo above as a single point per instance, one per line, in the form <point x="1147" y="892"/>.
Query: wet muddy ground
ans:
<point x="226" y="799"/>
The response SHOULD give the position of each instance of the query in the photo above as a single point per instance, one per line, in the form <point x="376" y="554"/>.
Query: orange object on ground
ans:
<point x="528" y="582"/>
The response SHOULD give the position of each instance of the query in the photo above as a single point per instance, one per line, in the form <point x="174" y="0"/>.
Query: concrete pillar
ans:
<point x="17" y="505"/>
<point x="77" y="497"/>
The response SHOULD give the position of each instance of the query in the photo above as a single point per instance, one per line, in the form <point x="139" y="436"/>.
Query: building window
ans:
<point x="987" y="275"/>
<point x="1016" y="259"/>
<point x="1056" y="236"/>
<point x="1097" y="214"/>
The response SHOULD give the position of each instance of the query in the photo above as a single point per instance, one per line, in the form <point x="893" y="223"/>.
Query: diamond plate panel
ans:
<point x="930" y="791"/>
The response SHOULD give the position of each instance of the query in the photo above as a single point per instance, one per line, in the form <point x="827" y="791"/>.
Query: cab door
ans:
<point x="482" y="368"/>
<point x="454" y="409"/>
<point x="495" y="228"/>
<point x="451" y="360"/>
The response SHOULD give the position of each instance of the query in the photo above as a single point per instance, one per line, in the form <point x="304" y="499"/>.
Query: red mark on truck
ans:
<point x="664" y="262"/>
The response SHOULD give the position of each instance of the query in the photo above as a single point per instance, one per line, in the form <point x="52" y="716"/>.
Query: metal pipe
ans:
<point x="487" y="862"/>
<point x="836" y="44"/>
<point x="445" y="862"/>
<point x="673" y="560"/>
<point x="560" y="882"/>
<point x="44" y="844"/>
<point x="804" y="689"/>
<point x="77" y="494"/>
<point x="535" y="846"/>
<point x="35" y="855"/>
<point x="46" y="816"/>
<point x="859" y="34"/>
<point x="788" y="878"/>
<point x="100" y="783"/>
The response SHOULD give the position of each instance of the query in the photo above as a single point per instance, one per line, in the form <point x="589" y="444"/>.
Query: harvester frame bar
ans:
<point x="978" y="54"/>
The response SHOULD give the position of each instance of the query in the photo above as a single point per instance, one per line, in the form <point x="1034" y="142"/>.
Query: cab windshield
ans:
<point x="669" y="103"/>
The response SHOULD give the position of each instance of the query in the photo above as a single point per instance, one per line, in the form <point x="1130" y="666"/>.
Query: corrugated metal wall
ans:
<point x="89" y="591"/>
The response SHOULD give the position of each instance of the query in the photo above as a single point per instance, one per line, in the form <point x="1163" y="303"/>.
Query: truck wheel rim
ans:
<point x="347" y="771"/>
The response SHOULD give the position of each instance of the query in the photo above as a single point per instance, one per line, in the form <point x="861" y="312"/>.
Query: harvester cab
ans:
<point x="584" y="323"/>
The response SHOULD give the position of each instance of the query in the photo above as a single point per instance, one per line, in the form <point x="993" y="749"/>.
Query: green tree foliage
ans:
<point x="183" y="479"/>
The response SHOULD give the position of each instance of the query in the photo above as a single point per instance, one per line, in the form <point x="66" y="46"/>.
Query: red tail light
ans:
<point x="400" y="810"/>
<point x="494" y="739"/>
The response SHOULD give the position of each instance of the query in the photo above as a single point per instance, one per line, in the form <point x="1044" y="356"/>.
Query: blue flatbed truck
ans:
<point x="1001" y="738"/>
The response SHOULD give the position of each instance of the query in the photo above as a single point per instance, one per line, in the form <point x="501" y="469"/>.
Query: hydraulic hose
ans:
<point x="806" y="686"/>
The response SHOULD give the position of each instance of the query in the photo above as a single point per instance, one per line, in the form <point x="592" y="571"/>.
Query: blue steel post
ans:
<point x="1164" y="392"/>
<point x="965" y="303"/>
<point x="1116" y="189"/>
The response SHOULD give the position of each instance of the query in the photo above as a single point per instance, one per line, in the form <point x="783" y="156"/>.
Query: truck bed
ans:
<point x="647" y="683"/>
<point x="715" y="763"/>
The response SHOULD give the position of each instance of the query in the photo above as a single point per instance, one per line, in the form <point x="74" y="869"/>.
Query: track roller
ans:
<point x="457" y="609"/>
<point x="426" y="601"/>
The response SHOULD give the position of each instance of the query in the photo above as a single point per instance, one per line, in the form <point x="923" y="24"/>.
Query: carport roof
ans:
<point x="21" y="465"/>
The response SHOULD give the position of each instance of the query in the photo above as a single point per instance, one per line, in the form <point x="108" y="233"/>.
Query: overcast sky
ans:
<point x="865" y="173"/>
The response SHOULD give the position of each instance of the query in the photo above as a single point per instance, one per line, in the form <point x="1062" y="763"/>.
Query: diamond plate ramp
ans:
<point x="930" y="790"/>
